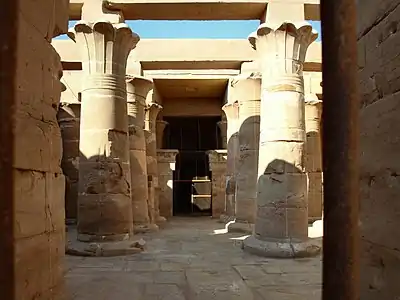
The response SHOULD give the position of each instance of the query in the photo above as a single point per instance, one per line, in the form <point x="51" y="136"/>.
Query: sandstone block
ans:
<point x="105" y="214"/>
<point x="104" y="177"/>
<point x="281" y="157"/>
<point x="38" y="145"/>
<point x="315" y="196"/>
<point x="282" y="190"/>
<point x="38" y="96"/>
<point x="104" y="144"/>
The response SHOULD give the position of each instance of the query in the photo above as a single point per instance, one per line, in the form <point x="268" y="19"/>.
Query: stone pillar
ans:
<point x="217" y="163"/>
<point x="104" y="202"/>
<point x="160" y="127"/>
<point x="281" y="227"/>
<point x="248" y="91"/>
<point x="231" y="111"/>
<point x="166" y="160"/>
<point x="137" y="91"/>
<point x="313" y="112"/>
<point x="69" y="120"/>
<point x="223" y="129"/>
<point x="152" y="110"/>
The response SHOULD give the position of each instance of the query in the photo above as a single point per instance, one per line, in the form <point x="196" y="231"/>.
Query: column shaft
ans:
<point x="160" y="127"/>
<point x="217" y="163"/>
<point x="232" y="115"/>
<point x="166" y="166"/>
<point x="248" y="90"/>
<point x="313" y="164"/>
<point x="104" y="202"/>
<point x="137" y="89"/>
<point x="69" y="120"/>
<point x="152" y="111"/>
<point x="222" y="125"/>
<point x="281" y="227"/>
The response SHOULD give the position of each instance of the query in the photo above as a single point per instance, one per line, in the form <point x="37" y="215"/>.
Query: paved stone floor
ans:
<point x="193" y="259"/>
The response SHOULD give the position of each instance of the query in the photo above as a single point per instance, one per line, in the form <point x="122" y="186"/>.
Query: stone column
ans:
<point x="231" y="111"/>
<point x="137" y="91"/>
<point x="69" y="120"/>
<point x="217" y="163"/>
<point x="223" y="129"/>
<point x="104" y="202"/>
<point x="313" y="112"/>
<point x="166" y="159"/>
<point x="281" y="227"/>
<point x="152" y="110"/>
<point x="248" y="91"/>
<point x="160" y="127"/>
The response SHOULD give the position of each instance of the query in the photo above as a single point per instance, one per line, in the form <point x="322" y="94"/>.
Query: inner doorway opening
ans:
<point x="193" y="137"/>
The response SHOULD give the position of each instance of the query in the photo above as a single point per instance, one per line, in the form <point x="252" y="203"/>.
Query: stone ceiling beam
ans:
<point x="195" y="9"/>
<point x="187" y="54"/>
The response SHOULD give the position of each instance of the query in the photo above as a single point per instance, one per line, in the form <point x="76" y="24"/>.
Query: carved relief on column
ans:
<point x="166" y="159"/>
<point x="231" y="111"/>
<point x="137" y="91"/>
<point x="104" y="203"/>
<point x="160" y="127"/>
<point x="248" y="91"/>
<point x="151" y="112"/>
<point x="217" y="163"/>
<point x="313" y="113"/>
<point x="222" y="125"/>
<point x="69" y="119"/>
<point x="281" y="227"/>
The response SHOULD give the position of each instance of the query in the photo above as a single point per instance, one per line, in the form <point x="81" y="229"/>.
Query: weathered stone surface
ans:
<point x="138" y="89"/>
<point x="217" y="164"/>
<point x="281" y="224"/>
<point x="313" y="156"/>
<point x="378" y="48"/>
<point x="185" y="261"/>
<point x="166" y="166"/>
<point x="160" y="127"/>
<point x="231" y="111"/>
<point x="105" y="207"/>
<point x="249" y="91"/>
<point x="151" y="113"/>
<point x="38" y="182"/>
<point x="222" y="125"/>
<point x="68" y="117"/>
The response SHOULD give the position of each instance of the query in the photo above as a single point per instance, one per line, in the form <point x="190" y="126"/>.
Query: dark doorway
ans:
<point x="192" y="136"/>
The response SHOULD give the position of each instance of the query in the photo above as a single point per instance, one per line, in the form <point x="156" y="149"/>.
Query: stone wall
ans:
<point x="379" y="72"/>
<point x="38" y="180"/>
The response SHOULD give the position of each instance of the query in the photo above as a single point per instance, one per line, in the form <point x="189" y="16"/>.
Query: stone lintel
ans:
<point x="196" y="10"/>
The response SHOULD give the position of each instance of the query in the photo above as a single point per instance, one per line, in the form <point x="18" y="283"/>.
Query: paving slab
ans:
<point x="190" y="260"/>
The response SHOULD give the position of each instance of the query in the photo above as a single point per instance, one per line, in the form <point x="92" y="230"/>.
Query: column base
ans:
<point x="241" y="227"/>
<point x="88" y="238"/>
<point x="145" y="228"/>
<point x="282" y="248"/>
<point x="75" y="247"/>
<point x="160" y="221"/>
<point x="225" y="219"/>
